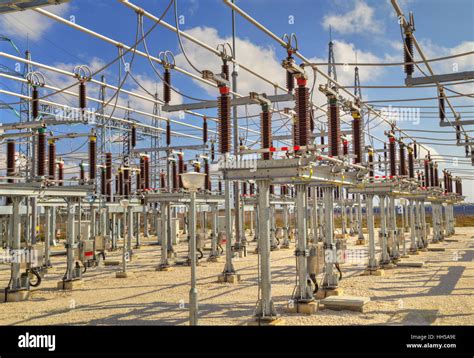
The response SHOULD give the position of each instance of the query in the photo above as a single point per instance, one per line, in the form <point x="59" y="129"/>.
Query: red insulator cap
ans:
<point x="224" y="90"/>
<point x="301" y="81"/>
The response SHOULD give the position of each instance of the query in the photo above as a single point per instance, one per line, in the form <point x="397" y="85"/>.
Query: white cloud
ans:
<point x="29" y="24"/>
<point x="359" y="20"/>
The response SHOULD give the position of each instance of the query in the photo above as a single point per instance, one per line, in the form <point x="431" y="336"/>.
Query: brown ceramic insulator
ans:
<point x="266" y="132"/>
<point x="460" y="186"/>
<point x="290" y="81"/>
<point x="427" y="172"/>
<point x="411" y="163"/>
<point x="11" y="169"/>
<point x="41" y="152"/>
<point x="220" y="187"/>
<point x="272" y="189"/>
<point x="345" y="147"/>
<point x="126" y="182"/>
<point x="213" y="152"/>
<point x="393" y="156"/>
<point x="92" y="157"/>
<point x="207" y="183"/>
<point x="252" y="189"/>
<point x="302" y="112"/>
<point x="181" y="169"/>
<point x="408" y="54"/>
<point x="168" y="134"/>
<point x="121" y="186"/>
<point x="403" y="164"/>
<point x="82" y="96"/>
<point x="356" y="138"/>
<point x="334" y="128"/>
<point x="147" y="173"/>
<point x="140" y="184"/>
<point x="244" y="188"/>
<point x="225" y="71"/>
<point x="162" y="180"/>
<point x="60" y="173"/>
<point x="52" y="160"/>
<point x="204" y="130"/>
<point x="133" y="137"/>
<point x="108" y="176"/>
<point x="436" y="175"/>
<point x="103" y="189"/>
<point x="224" y="125"/>
<point x="175" y="178"/>
<point x="432" y="178"/>
<point x="35" y="103"/>
<point x="167" y="86"/>
<point x="371" y="165"/>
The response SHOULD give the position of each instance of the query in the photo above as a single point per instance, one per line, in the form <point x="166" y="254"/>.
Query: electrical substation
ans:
<point x="121" y="205"/>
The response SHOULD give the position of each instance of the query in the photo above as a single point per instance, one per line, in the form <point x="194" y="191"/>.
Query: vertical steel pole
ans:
<point x="359" y="217"/>
<point x="330" y="280"/>
<point x="303" y="292"/>
<point x="214" y="231"/>
<point x="370" y="226"/>
<point x="413" y="246"/>
<point x="16" y="245"/>
<point x="229" y="267"/>
<point x="71" y="239"/>
<point x="193" y="295"/>
<point x="47" y="233"/>
<point x="164" y="235"/>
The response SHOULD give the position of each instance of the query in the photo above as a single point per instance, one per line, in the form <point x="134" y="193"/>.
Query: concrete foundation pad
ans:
<point x="303" y="307"/>
<point x="70" y="285"/>
<point x="351" y="303"/>
<point x="164" y="268"/>
<point x="276" y="321"/>
<point x="360" y="242"/>
<point x="229" y="278"/>
<point x="424" y="249"/>
<point x="436" y="249"/>
<point x="111" y="263"/>
<point x="323" y="293"/>
<point x="404" y="256"/>
<point x="388" y="266"/>
<point x="412" y="252"/>
<point x="411" y="264"/>
<point x="378" y="272"/>
<point x="213" y="259"/>
<point x="17" y="296"/>
<point x="122" y="274"/>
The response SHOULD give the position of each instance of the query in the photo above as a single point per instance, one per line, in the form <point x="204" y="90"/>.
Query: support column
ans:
<point x="424" y="233"/>
<point x="394" y="254"/>
<point x="137" y="230"/>
<point x="114" y="231"/>
<point x="372" y="265"/>
<point x="164" y="264"/>
<point x="286" y="230"/>
<point x="360" y="239"/>
<point x="265" y="309"/>
<point x="193" y="295"/>
<point x="214" y="254"/>
<point x="413" y="246"/>
<point x="47" y="238"/>
<point x="385" y="259"/>
<point x="17" y="257"/>
<point x="129" y="231"/>
<point x="145" y="221"/>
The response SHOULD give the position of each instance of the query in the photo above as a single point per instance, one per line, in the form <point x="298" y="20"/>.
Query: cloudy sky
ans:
<point x="364" y="30"/>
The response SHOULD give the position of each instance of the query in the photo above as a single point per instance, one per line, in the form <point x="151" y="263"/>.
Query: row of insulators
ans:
<point x="302" y="126"/>
<point x="408" y="54"/>
<point x="334" y="127"/>
<point x="266" y="132"/>
<point x="224" y="124"/>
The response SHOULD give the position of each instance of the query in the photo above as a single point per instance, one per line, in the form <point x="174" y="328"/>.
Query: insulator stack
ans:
<point x="213" y="152"/>
<point x="459" y="187"/>
<point x="11" y="169"/>
<point x="92" y="157"/>
<point x="252" y="189"/>
<point x="116" y="184"/>
<point x="432" y="178"/>
<point x="311" y="121"/>
<point x="167" y="86"/>
<point x="371" y="164"/>
<point x="436" y="175"/>
<point x="415" y="150"/>
<point x="445" y="180"/>
<point x="345" y="147"/>
<point x="224" y="125"/>
<point x="403" y="164"/>
<point x="133" y="137"/>
<point x="175" y="177"/>
<point x="442" y="113"/>
<point x="204" y="130"/>
<point x="108" y="176"/>
<point x="35" y="103"/>
<point x="392" y="155"/>
<point x="290" y="78"/>
<point x="168" y="133"/>
<point x="207" y="183"/>
<point x="82" y="173"/>
<point x="41" y="152"/>
<point x="82" y="96"/>
<point x="52" y="159"/>
<point x="272" y="189"/>
<point x="266" y="132"/>
<point x="147" y="173"/>
<point x="244" y="188"/>
<point x="220" y="187"/>
<point x="60" y="173"/>
<point x="334" y="128"/>
<point x="356" y="137"/>
<point x="427" y="172"/>
<point x="450" y="182"/>
<point x="302" y="112"/>
<point x="126" y="182"/>
<point x="181" y="169"/>
<point x="411" y="163"/>
<point x="120" y="182"/>
<point x="408" y="54"/>
<point x="140" y="183"/>
<point x="103" y="189"/>
<point x="225" y="70"/>
<point x="162" y="180"/>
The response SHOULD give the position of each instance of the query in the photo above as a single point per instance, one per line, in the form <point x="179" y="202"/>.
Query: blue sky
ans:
<point x="368" y="27"/>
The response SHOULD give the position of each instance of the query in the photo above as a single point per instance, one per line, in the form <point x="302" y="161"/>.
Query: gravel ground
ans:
<point x="440" y="293"/>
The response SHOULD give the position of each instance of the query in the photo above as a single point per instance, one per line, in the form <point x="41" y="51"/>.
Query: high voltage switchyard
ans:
<point x="123" y="203"/>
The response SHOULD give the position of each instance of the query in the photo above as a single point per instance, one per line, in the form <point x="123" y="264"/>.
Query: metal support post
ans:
<point x="385" y="259"/>
<point x="164" y="264"/>
<point x="331" y="279"/>
<point x="371" y="229"/>
<point x="394" y="254"/>
<point x="359" y="217"/>
<point x="229" y="267"/>
<point x="214" y="232"/>
<point x="413" y="245"/>
<point x="193" y="295"/>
